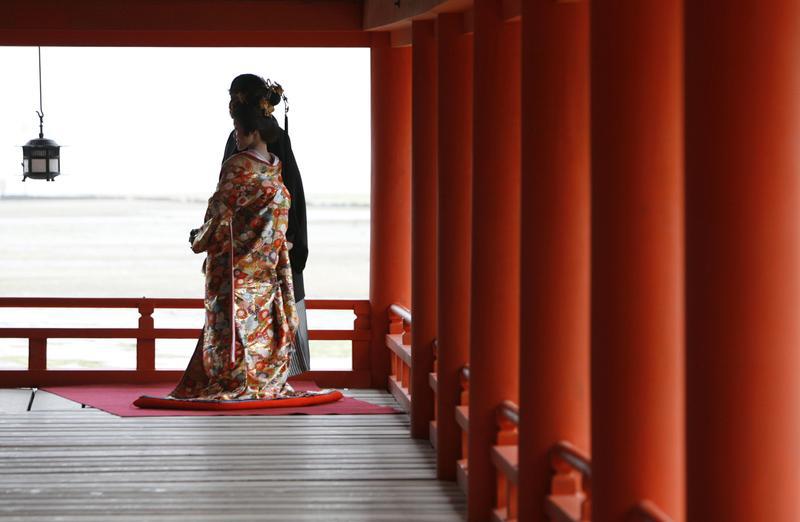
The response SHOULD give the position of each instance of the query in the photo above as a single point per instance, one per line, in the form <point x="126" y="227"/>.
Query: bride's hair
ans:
<point x="252" y="117"/>
<point x="249" y="88"/>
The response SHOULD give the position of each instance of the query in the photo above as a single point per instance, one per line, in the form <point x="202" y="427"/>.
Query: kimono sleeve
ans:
<point x="219" y="210"/>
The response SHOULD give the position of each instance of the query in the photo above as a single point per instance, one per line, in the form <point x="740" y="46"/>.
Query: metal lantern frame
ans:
<point x="41" y="157"/>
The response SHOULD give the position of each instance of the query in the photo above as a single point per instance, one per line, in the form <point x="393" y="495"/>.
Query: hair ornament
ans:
<point x="276" y="88"/>
<point x="266" y="107"/>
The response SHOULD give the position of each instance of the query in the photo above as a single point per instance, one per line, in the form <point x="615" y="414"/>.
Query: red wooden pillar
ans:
<point x="637" y="257"/>
<point x="390" y="207"/>
<point x="423" y="223"/>
<point x="554" y="308"/>
<point x="494" y="307"/>
<point x="743" y="259"/>
<point x="454" y="62"/>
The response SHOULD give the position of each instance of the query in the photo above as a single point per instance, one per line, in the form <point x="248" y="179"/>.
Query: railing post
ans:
<point x="506" y="506"/>
<point x="462" y="464"/>
<point x="572" y="477"/>
<point x="37" y="354"/>
<point x="362" y="323"/>
<point x="396" y="325"/>
<point x="145" y="342"/>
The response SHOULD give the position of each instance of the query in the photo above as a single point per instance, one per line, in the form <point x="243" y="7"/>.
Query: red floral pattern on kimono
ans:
<point x="245" y="347"/>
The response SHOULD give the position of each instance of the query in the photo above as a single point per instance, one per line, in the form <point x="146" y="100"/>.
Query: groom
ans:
<point x="297" y="233"/>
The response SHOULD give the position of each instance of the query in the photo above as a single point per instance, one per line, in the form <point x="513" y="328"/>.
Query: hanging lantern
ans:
<point x="41" y="157"/>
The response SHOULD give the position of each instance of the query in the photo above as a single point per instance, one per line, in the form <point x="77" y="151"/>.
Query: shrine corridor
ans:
<point x="62" y="462"/>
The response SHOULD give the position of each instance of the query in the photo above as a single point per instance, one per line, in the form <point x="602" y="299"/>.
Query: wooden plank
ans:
<point x="86" y="465"/>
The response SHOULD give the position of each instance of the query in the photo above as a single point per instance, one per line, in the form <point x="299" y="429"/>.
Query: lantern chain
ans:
<point x="40" y="112"/>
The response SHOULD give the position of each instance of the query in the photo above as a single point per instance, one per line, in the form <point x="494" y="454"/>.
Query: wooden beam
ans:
<point x="401" y="37"/>
<point x="388" y="15"/>
<point x="115" y="38"/>
<point x="196" y="23"/>
<point x="183" y="15"/>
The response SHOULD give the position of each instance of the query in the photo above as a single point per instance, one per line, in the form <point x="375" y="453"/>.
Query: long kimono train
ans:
<point x="245" y="349"/>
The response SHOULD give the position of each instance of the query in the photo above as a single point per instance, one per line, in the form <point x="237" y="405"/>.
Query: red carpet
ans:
<point x="118" y="399"/>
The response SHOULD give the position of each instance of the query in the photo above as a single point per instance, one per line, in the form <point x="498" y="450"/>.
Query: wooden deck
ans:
<point x="61" y="462"/>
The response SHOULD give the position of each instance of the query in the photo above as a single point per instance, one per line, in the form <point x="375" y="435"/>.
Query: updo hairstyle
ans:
<point x="251" y="117"/>
<point x="251" y="106"/>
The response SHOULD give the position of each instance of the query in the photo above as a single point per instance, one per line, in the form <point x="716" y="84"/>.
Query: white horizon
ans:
<point x="152" y="122"/>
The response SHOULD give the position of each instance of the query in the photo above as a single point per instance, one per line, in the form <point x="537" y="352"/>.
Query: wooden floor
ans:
<point x="61" y="462"/>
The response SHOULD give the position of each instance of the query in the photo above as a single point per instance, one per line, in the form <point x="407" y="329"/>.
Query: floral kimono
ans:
<point x="245" y="347"/>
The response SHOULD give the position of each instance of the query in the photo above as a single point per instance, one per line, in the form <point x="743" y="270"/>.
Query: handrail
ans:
<point x="433" y="382"/>
<point x="99" y="302"/>
<point x="402" y="312"/>
<point x="155" y="302"/>
<point x="573" y="456"/>
<point x="647" y="511"/>
<point x="566" y="460"/>
<point x="146" y="334"/>
<point x="398" y="341"/>
<point x="509" y="412"/>
<point x="462" y="419"/>
<point x="504" y="457"/>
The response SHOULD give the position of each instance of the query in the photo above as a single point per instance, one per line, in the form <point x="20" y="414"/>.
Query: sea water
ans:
<point x="139" y="248"/>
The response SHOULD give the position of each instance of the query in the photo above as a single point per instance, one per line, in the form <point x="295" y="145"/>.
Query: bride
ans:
<point x="244" y="352"/>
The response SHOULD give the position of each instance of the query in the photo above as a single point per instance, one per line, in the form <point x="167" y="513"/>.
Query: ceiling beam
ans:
<point x="54" y="38"/>
<point x="182" y="15"/>
<point x="393" y="14"/>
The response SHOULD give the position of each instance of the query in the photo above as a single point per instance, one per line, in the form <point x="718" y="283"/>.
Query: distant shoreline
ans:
<point x="323" y="203"/>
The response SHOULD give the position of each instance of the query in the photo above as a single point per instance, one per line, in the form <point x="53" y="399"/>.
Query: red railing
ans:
<point x="646" y="511"/>
<point x="433" y="381"/>
<point x="37" y="374"/>
<point x="570" y="496"/>
<point x="504" y="458"/>
<point x="398" y="341"/>
<point x="462" y="419"/>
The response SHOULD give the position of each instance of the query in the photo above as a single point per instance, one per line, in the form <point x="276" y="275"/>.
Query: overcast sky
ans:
<point x="154" y="121"/>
